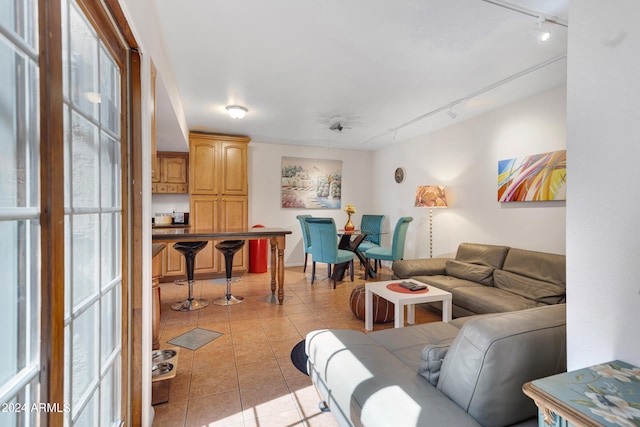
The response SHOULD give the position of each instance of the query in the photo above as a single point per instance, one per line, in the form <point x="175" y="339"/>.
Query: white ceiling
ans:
<point x="388" y="70"/>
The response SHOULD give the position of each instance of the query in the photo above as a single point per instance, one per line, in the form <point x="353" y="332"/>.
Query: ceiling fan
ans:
<point x="338" y="127"/>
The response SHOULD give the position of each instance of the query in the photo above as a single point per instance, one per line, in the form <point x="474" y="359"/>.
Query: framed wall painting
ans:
<point x="311" y="183"/>
<point x="534" y="178"/>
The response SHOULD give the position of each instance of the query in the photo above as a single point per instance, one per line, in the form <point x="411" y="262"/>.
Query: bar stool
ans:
<point x="189" y="250"/>
<point x="229" y="249"/>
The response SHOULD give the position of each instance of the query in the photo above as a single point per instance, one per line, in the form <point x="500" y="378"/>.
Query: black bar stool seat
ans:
<point x="229" y="249"/>
<point x="189" y="250"/>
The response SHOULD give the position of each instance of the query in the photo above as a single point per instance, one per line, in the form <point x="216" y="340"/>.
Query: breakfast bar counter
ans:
<point x="276" y="236"/>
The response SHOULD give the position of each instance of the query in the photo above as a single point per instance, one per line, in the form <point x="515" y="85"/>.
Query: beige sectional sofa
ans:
<point x="492" y="279"/>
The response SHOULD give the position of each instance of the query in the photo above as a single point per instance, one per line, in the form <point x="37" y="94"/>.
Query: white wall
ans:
<point x="603" y="236"/>
<point x="464" y="159"/>
<point x="265" y="162"/>
<point x="143" y="22"/>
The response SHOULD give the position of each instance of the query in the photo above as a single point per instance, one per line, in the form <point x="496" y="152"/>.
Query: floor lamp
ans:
<point x="430" y="196"/>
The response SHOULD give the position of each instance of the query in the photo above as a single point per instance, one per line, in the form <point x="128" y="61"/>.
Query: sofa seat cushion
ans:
<point x="476" y="273"/>
<point x="493" y="355"/>
<point x="381" y="390"/>
<point x="407" y="343"/>
<point x="537" y="290"/>
<point x="448" y="283"/>
<point x="484" y="299"/>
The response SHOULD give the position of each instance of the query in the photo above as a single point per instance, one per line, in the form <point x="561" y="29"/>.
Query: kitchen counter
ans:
<point x="157" y="248"/>
<point x="276" y="236"/>
<point x="160" y="227"/>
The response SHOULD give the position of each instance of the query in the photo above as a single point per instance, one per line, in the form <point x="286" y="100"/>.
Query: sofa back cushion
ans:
<point x="476" y="253"/>
<point x="537" y="265"/>
<point x="495" y="354"/>
<point x="536" y="290"/>
<point x="468" y="271"/>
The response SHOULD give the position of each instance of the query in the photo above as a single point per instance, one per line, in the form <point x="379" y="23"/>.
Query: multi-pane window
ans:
<point x="93" y="224"/>
<point x="19" y="213"/>
<point x="90" y="127"/>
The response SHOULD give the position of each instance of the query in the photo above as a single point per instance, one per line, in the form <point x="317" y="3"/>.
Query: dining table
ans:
<point x="276" y="237"/>
<point x="350" y="240"/>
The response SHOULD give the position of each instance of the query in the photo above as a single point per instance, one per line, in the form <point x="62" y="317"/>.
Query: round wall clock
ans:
<point x="399" y="175"/>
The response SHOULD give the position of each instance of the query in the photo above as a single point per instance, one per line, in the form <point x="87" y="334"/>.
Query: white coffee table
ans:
<point x="400" y="299"/>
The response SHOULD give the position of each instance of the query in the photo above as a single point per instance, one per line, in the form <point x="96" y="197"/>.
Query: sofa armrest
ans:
<point x="407" y="268"/>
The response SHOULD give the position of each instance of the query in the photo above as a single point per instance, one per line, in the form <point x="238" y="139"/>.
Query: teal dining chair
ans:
<point x="395" y="252"/>
<point x="324" y="236"/>
<point x="371" y="225"/>
<point x="306" y="238"/>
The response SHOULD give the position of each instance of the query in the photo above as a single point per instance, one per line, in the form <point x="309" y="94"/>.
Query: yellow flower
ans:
<point x="350" y="209"/>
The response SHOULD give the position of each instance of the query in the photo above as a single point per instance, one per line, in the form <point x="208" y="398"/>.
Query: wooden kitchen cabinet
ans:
<point x="174" y="173"/>
<point x="234" y="214"/>
<point x="205" y="214"/>
<point x="173" y="263"/>
<point x="218" y="176"/>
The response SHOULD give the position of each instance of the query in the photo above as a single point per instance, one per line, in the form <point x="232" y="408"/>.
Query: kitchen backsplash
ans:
<point x="169" y="203"/>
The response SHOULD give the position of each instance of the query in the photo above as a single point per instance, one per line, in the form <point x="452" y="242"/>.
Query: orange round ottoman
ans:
<point x="382" y="309"/>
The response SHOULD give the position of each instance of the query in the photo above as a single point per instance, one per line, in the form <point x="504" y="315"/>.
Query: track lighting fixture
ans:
<point x="452" y="113"/>
<point x="543" y="33"/>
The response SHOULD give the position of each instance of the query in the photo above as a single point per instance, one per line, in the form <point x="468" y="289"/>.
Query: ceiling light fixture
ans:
<point x="544" y="36"/>
<point x="451" y="113"/>
<point x="543" y="33"/>
<point x="236" y="111"/>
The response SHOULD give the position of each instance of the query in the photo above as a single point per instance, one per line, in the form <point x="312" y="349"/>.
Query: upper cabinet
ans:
<point x="218" y="164"/>
<point x="174" y="173"/>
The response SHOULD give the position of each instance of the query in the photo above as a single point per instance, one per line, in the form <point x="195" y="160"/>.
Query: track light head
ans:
<point x="543" y="32"/>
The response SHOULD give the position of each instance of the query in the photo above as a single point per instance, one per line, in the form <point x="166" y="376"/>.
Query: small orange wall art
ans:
<point x="533" y="178"/>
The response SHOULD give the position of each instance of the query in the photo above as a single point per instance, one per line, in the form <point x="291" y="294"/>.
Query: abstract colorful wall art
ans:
<point x="311" y="183"/>
<point x="533" y="178"/>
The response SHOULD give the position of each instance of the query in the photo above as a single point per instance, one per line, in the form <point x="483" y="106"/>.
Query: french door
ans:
<point x="92" y="223"/>
<point x="64" y="214"/>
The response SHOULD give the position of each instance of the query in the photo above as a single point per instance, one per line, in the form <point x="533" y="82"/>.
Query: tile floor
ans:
<point x="245" y="377"/>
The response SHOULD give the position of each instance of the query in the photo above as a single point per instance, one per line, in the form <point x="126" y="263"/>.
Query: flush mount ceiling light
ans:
<point x="236" y="111"/>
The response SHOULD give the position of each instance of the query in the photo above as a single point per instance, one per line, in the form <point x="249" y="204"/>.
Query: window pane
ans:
<point x="108" y="333"/>
<point x="89" y="415"/>
<point x="19" y="16"/>
<point x="85" y="166"/>
<point x="110" y="397"/>
<point x="84" y="358"/>
<point x="111" y="244"/>
<point x="109" y="94"/>
<point x="85" y="92"/>
<point x="85" y="241"/>
<point x="19" y="305"/>
<point x="110" y="172"/>
<point x="18" y="129"/>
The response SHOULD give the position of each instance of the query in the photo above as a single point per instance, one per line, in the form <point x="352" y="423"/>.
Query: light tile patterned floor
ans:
<point x="245" y="377"/>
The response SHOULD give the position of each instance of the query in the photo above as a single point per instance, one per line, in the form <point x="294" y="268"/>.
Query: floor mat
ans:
<point x="195" y="338"/>
<point x="299" y="357"/>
